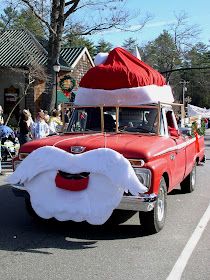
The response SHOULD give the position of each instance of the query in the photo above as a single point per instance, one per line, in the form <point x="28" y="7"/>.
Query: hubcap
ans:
<point x="193" y="177"/>
<point x="160" y="205"/>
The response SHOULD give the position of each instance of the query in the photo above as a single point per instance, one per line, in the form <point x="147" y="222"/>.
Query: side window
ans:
<point x="171" y="123"/>
<point x="110" y="121"/>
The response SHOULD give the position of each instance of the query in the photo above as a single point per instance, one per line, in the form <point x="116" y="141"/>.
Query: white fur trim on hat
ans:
<point x="124" y="96"/>
<point x="100" y="58"/>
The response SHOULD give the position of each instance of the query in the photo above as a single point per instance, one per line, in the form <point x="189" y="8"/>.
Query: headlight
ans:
<point x="144" y="176"/>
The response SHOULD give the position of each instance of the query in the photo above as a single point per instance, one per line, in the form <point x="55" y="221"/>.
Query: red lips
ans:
<point x="71" y="184"/>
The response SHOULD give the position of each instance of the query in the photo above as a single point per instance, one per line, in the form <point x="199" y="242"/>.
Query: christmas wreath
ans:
<point x="72" y="84"/>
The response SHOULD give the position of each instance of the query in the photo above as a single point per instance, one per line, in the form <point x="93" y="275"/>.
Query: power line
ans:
<point x="185" y="69"/>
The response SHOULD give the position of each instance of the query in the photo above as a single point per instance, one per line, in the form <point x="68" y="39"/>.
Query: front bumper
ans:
<point x="142" y="202"/>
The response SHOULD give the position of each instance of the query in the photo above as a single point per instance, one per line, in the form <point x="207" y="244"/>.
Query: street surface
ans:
<point x="31" y="250"/>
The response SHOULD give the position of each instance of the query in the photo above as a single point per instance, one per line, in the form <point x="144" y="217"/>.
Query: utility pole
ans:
<point x="184" y="89"/>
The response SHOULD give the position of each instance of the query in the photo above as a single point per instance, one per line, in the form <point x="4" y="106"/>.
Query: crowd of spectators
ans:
<point x="43" y="125"/>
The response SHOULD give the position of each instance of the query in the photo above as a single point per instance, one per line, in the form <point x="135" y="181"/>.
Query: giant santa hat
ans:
<point x="122" y="79"/>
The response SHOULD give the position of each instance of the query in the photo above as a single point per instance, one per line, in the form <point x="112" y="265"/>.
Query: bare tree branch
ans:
<point x="183" y="33"/>
<point x="27" y="2"/>
<point x="71" y="10"/>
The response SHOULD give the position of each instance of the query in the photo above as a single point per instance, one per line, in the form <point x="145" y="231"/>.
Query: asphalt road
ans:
<point x="30" y="250"/>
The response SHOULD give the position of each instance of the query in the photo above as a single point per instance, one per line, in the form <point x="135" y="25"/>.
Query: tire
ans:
<point x="31" y="211"/>
<point x="153" y="221"/>
<point x="189" y="183"/>
<point x="119" y="217"/>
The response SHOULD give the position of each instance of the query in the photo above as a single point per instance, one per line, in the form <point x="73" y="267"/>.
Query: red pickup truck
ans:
<point x="111" y="120"/>
<point x="148" y="136"/>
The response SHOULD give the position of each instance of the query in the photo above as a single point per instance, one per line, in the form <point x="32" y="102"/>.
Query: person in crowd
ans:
<point x="46" y="116"/>
<point x="83" y="120"/>
<point x="24" y="127"/>
<point x="40" y="128"/>
<point x="55" y="123"/>
<point x="66" y="116"/>
<point x="1" y="123"/>
<point x="30" y="117"/>
<point x="1" y="115"/>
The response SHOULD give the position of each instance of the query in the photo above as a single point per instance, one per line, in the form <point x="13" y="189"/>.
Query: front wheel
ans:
<point x="32" y="213"/>
<point x="188" y="184"/>
<point x="153" y="221"/>
<point x="120" y="216"/>
<point x="29" y="208"/>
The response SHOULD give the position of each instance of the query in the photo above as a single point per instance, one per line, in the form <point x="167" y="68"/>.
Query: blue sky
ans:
<point x="163" y="13"/>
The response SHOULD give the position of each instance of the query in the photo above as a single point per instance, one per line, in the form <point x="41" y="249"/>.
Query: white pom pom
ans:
<point x="100" y="58"/>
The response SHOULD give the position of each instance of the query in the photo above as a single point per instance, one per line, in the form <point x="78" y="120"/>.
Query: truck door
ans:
<point x="178" y="154"/>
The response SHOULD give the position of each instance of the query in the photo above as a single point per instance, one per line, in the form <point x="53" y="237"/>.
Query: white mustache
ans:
<point x="111" y="175"/>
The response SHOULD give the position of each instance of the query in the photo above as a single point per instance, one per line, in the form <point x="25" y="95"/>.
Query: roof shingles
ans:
<point x="19" y="48"/>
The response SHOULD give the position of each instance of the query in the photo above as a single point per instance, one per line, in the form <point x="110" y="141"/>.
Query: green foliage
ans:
<point x="72" y="40"/>
<point x="12" y="18"/>
<point x="130" y="44"/>
<point x="8" y="18"/>
<point x="199" y="87"/>
<point x="201" y="130"/>
<point x="28" y="20"/>
<point x="103" y="46"/>
<point x="162" y="53"/>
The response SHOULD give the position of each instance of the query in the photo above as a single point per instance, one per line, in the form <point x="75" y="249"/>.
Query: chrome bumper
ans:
<point x="143" y="202"/>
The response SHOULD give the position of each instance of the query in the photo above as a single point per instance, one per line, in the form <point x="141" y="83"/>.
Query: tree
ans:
<point x="162" y="54"/>
<point x="96" y="16"/>
<point x="8" y="18"/>
<point x="130" y="44"/>
<point x="71" y="40"/>
<point x="28" y="20"/>
<point x="199" y="86"/>
<point x="12" y="18"/>
<point x="103" y="46"/>
<point x="184" y="35"/>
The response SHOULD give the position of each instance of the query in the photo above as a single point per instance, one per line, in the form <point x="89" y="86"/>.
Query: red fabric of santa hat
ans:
<point x="122" y="79"/>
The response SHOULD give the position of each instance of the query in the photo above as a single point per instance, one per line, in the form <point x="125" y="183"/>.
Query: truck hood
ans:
<point x="129" y="145"/>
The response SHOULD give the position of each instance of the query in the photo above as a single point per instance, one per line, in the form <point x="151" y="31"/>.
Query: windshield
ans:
<point x="112" y="119"/>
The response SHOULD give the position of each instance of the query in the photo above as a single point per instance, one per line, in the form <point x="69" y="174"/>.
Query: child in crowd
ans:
<point x="40" y="128"/>
<point x="55" y="123"/>
<point x="46" y="116"/>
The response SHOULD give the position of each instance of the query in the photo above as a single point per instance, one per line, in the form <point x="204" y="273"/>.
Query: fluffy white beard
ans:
<point x="94" y="204"/>
<point x="110" y="176"/>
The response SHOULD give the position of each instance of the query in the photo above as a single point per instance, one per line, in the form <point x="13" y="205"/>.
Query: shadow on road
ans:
<point x="20" y="232"/>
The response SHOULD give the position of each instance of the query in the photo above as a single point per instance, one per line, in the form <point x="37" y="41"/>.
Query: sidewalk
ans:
<point x="7" y="170"/>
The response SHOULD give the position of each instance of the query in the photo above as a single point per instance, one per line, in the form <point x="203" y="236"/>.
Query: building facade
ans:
<point x="19" y="50"/>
